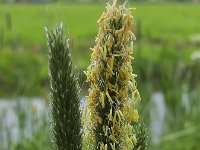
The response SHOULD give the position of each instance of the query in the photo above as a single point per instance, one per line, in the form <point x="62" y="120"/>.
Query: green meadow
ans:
<point x="158" y="27"/>
<point x="171" y="23"/>
<point x="168" y="36"/>
<point x="167" y="21"/>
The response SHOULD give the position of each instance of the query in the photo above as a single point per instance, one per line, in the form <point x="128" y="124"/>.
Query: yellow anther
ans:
<point x="106" y="147"/>
<point x="102" y="146"/>
<point x="119" y="117"/>
<point x="98" y="119"/>
<point x="129" y="143"/>
<point x="112" y="146"/>
<point x="110" y="115"/>
<point x="102" y="100"/>
<point x="114" y="119"/>
<point x="106" y="134"/>
<point x="111" y="63"/>
<point x="88" y="147"/>
<point x="112" y="137"/>
<point x="131" y="57"/>
<point x="132" y="35"/>
<point x="110" y="99"/>
<point x="121" y="114"/>
<point x="135" y="116"/>
<point x="110" y="41"/>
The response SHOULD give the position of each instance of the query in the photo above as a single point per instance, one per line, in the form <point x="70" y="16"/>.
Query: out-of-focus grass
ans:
<point x="162" y="55"/>
<point x="163" y="23"/>
<point x="167" y="21"/>
<point x="22" y="73"/>
<point x="29" y="20"/>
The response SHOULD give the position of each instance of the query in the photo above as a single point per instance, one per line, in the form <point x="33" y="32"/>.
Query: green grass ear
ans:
<point x="142" y="137"/>
<point x="64" y="94"/>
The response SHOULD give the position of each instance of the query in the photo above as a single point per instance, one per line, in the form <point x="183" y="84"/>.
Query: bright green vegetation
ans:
<point x="22" y="73"/>
<point x="165" y="41"/>
<point x="163" y="23"/>
<point x="173" y="21"/>
<point x="161" y="26"/>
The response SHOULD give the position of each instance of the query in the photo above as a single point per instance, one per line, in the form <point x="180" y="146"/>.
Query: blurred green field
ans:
<point x="159" y="26"/>
<point x="167" y="36"/>
<point x="173" y="24"/>
<point x="167" y="21"/>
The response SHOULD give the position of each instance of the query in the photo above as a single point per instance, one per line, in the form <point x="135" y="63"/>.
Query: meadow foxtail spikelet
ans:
<point x="111" y="105"/>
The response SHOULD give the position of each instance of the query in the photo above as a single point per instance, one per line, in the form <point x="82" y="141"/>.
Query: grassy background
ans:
<point x="160" y="26"/>
<point x="167" y="35"/>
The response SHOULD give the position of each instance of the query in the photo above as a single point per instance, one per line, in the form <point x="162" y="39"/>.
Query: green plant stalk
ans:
<point x="111" y="105"/>
<point x="64" y="93"/>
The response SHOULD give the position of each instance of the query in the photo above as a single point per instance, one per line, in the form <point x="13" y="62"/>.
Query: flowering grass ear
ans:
<point x="111" y="106"/>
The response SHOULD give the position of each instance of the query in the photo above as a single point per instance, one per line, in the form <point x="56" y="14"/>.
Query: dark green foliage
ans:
<point x="22" y="73"/>
<point x="142" y="137"/>
<point x="65" y="100"/>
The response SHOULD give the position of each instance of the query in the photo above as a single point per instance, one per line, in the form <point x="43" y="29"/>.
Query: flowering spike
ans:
<point x="111" y="83"/>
